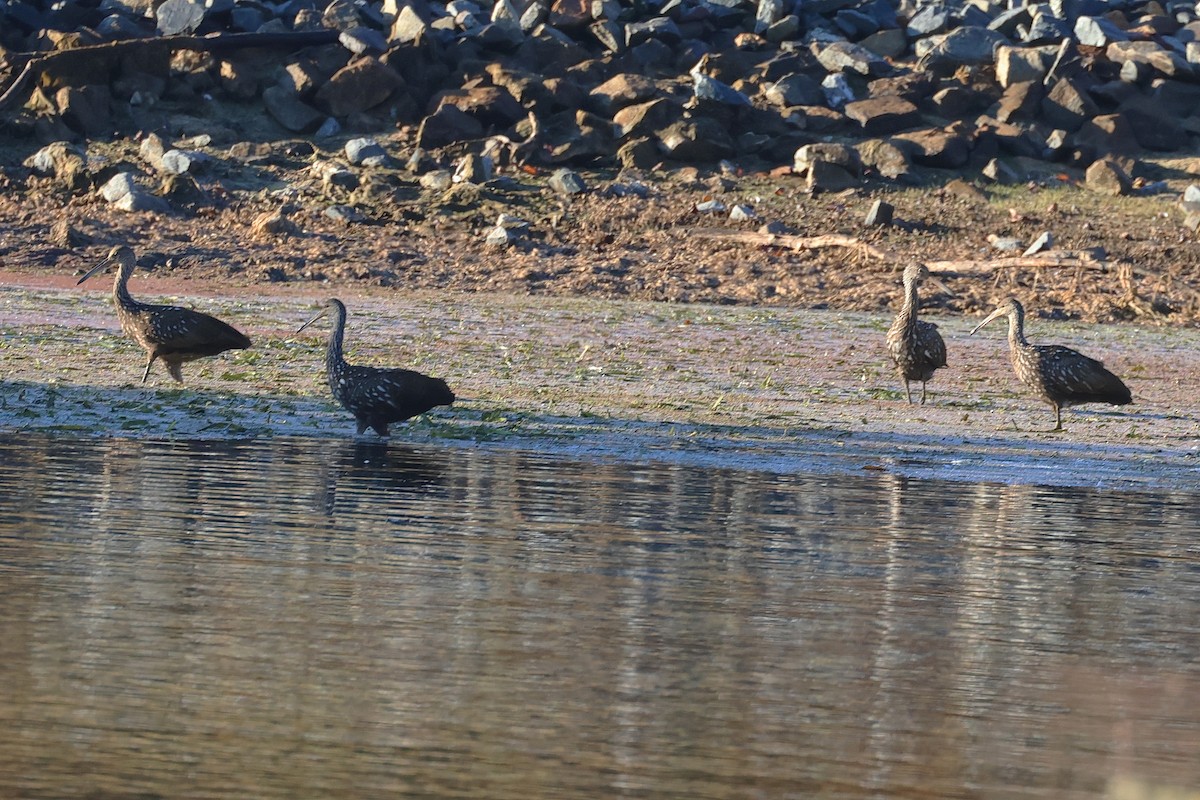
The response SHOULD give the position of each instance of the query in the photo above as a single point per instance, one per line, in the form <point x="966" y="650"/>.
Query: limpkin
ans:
<point x="916" y="346"/>
<point x="376" y="396"/>
<point x="1059" y="375"/>
<point x="170" y="333"/>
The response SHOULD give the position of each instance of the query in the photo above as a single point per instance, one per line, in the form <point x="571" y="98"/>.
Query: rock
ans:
<point x="880" y="214"/>
<point x="123" y="194"/>
<point x="713" y="91"/>
<point x="408" y="26"/>
<point x="620" y="91"/>
<point x="438" y="180"/>
<point x="179" y="16"/>
<point x="1005" y="244"/>
<point x="837" y="90"/>
<point x="826" y="177"/>
<point x="967" y="45"/>
<point x="710" y="207"/>
<point x="888" y="43"/>
<point x="178" y="162"/>
<point x="365" y="151"/>
<point x="1097" y="32"/>
<point x="360" y="85"/>
<point x="64" y="161"/>
<point x="1021" y="64"/>
<point x="846" y="57"/>
<point x="968" y="191"/>
<point x="63" y="234"/>
<point x="1000" y="172"/>
<point x="1106" y="133"/>
<point x="937" y="148"/>
<point x="829" y="152"/>
<point x="344" y="214"/>
<point x="567" y="182"/>
<point x="884" y="157"/>
<point x="361" y="40"/>
<point x="492" y="106"/>
<point x="1151" y="57"/>
<point x="473" y="168"/>
<point x="1067" y="106"/>
<point x="785" y="29"/>
<point x="447" y="125"/>
<point x="698" y="139"/>
<point x="645" y="118"/>
<point x="85" y="109"/>
<point x="1020" y="101"/>
<point x="1043" y="242"/>
<point x="932" y="18"/>
<point x="794" y="89"/>
<point x="886" y="114"/>
<point x="638" y="153"/>
<point x="1153" y="129"/>
<point x="272" y="225"/>
<point x="499" y="237"/>
<point x="741" y="212"/>
<point x="1192" y="194"/>
<point x="290" y="111"/>
<point x="1047" y="28"/>
<point x="1106" y="177"/>
<point x="659" y="29"/>
<point x="151" y="150"/>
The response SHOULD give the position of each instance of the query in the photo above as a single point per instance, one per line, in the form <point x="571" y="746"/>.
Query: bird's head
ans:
<point x="1010" y="308"/>
<point x="332" y="304"/>
<point x="120" y="255"/>
<point x="915" y="273"/>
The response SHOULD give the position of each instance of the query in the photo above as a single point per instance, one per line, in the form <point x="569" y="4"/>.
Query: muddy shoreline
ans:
<point x="782" y="390"/>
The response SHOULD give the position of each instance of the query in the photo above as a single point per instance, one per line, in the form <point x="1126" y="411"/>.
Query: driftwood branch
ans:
<point x="96" y="55"/>
<point x="1068" y="259"/>
<point x="790" y="242"/>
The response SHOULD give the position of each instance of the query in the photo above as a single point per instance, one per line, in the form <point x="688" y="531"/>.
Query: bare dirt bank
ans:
<point x="777" y="389"/>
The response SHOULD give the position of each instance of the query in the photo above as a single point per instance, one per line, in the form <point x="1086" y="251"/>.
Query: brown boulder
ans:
<point x="887" y="114"/>
<point x="360" y="85"/>
<point x="492" y="106"/>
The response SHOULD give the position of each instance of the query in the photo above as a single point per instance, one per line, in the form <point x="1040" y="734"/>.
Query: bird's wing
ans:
<point x="931" y="342"/>
<point x="1073" y="372"/>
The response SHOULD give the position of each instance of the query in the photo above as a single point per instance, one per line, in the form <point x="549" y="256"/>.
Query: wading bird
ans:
<point x="170" y="333"/>
<point x="1059" y="375"/>
<point x="376" y="397"/>
<point x="916" y="346"/>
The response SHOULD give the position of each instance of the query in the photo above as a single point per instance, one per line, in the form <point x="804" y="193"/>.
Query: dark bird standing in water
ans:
<point x="1060" y="376"/>
<point x="170" y="333"/>
<point x="376" y="397"/>
<point x="915" y="345"/>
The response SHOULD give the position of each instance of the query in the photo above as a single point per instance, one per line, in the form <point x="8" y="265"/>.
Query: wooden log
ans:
<point x="791" y="242"/>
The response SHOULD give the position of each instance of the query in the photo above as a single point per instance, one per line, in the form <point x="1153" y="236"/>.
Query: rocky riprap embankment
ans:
<point x="834" y="90"/>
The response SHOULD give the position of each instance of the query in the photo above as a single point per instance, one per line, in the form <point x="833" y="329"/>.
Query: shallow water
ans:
<point x="320" y="618"/>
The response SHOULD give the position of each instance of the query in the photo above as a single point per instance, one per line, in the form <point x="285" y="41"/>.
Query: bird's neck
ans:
<point x="334" y="362"/>
<point x="909" y="309"/>
<point x="1016" y="331"/>
<point x="121" y="291"/>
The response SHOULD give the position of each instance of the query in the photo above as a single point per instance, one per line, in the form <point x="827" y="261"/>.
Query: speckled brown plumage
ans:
<point x="170" y="333"/>
<point x="1059" y="375"/>
<point x="916" y="346"/>
<point x="376" y="397"/>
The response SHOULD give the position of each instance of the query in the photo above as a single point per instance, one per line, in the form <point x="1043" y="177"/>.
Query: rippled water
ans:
<point x="295" y="619"/>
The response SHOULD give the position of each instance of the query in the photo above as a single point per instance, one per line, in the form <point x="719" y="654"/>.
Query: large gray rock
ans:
<point x="879" y="115"/>
<point x="408" y="26"/>
<point x="712" y="90"/>
<point x="847" y="57"/>
<point x="967" y="45"/>
<point x="830" y="152"/>
<point x="1021" y="64"/>
<point x="1098" y="32"/>
<point x="290" y="111"/>
<point x="947" y="149"/>
<point x="1068" y="106"/>
<point x="700" y="139"/>
<point x="179" y="16"/>
<point x="621" y="91"/>
<point x="796" y="89"/>
<point x="1153" y="55"/>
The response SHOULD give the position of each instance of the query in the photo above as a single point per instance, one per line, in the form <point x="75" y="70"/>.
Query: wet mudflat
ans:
<point x="290" y="617"/>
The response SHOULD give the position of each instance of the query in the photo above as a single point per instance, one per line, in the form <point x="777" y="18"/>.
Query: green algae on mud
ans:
<point x="776" y="389"/>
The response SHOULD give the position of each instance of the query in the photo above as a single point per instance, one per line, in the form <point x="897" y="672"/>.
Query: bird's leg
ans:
<point x="908" y="391"/>
<point x="1057" y="418"/>
<point x="149" y="363"/>
<point x="922" y="392"/>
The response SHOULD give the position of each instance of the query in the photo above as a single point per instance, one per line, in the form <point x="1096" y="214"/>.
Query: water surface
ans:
<point x="322" y="618"/>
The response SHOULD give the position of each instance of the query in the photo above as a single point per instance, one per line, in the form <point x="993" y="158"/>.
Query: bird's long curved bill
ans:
<point x="987" y="319"/>
<point x="315" y="317"/>
<point x="93" y="271"/>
